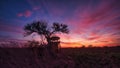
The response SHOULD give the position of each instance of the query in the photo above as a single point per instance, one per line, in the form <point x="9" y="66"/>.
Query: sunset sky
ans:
<point x="91" y="22"/>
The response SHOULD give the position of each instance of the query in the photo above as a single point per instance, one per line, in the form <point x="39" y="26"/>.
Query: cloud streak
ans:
<point x="10" y="28"/>
<point x="102" y="21"/>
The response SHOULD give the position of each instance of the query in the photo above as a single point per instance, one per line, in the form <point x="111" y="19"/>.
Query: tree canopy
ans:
<point x="42" y="28"/>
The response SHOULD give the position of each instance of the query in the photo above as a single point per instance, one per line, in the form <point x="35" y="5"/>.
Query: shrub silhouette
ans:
<point x="33" y="43"/>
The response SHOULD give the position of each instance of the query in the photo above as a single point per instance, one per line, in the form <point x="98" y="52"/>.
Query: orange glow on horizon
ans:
<point x="72" y="41"/>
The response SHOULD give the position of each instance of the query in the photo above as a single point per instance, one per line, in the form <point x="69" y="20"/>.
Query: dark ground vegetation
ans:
<point x="107" y="57"/>
<point x="96" y="57"/>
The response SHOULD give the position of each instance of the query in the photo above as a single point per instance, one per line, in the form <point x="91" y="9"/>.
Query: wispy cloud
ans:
<point x="10" y="28"/>
<point x="96" y="23"/>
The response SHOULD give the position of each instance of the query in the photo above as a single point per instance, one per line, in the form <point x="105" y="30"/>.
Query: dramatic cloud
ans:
<point x="98" y="23"/>
<point x="95" y="22"/>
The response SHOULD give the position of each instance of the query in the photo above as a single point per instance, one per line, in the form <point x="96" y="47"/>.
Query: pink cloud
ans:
<point x="26" y="14"/>
<point x="94" y="35"/>
<point x="93" y="38"/>
<point x="104" y="41"/>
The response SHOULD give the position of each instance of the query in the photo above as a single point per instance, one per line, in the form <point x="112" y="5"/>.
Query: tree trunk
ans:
<point x="48" y="43"/>
<point x="49" y="47"/>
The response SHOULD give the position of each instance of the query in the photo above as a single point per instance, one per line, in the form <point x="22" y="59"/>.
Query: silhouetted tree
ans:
<point x="32" y="43"/>
<point x="83" y="46"/>
<point x="42" y="28"/>
<point x="90" y="46"/>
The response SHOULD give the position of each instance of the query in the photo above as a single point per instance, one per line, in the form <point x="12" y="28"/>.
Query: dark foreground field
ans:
<point x="68" y="58"/>
<point x="107" y="57"/>
<point x="32" y="58"/>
